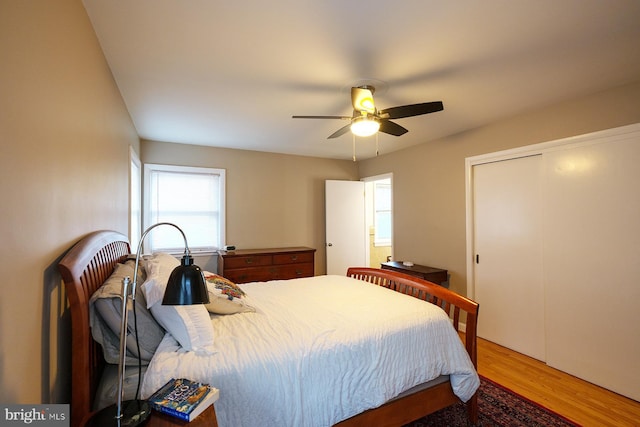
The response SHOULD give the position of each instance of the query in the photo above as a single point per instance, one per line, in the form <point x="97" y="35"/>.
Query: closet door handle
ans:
<point x="477" y="259"/>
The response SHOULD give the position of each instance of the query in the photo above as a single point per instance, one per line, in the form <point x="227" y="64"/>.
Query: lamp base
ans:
<point x="134" y="413"/>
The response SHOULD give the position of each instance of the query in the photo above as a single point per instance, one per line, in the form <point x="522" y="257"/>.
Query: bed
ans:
<point x="91" y="262"/>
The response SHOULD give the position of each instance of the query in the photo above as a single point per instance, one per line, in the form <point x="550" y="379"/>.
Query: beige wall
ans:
<point x="429" y="180"/>
<point x="273" y="200"/>
<point x="64" y="138"/>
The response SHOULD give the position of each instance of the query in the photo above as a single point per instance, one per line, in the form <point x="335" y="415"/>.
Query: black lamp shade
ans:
<point x="186" y="285"/>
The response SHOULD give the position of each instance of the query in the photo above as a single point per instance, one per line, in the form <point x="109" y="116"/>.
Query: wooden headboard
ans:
<point x="84" y="269"/>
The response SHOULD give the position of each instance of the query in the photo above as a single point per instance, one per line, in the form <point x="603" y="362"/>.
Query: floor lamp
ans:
<point x="186" y="286"/>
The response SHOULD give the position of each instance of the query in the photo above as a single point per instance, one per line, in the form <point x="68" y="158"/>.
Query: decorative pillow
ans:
<point x="106" y="319"/>
<point x="225" y="297"/>
<point x="190" y="325"/>
<point x="159" y="267"/>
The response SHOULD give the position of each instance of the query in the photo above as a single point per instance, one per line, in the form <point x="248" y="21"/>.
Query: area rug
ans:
<point x="498" y="407"/>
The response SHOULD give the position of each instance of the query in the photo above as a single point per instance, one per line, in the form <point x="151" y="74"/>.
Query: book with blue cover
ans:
<point x="183" y="398"/>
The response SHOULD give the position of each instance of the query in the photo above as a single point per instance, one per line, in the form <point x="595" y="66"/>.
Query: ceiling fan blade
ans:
<point x="340" y="131"/>
<point x="411" y="110"/>
<point x="362" y="99"/>
<point x="392" y="128"/>
<point x="322" y="117"/>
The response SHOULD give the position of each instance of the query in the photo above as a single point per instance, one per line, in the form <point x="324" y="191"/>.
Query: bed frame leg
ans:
<point x="472" y="409"/>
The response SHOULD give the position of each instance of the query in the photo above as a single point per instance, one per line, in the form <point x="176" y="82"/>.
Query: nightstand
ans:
<point x="432" y="274"/>
<point x="207" y="418"/>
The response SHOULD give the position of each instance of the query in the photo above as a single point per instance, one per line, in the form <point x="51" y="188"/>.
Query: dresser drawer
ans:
<point x="244" y="275"/>
<point x="248" y="261"/>
<point x="294" y="271"/>
<point x="293" y="258"/>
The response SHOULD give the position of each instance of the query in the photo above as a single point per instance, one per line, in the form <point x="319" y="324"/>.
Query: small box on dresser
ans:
<point x="260" y="265"/>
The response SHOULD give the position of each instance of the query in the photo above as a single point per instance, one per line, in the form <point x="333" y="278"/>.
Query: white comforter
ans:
<point x="316" y="351"/>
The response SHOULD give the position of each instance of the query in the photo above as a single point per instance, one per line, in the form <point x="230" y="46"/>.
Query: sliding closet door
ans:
<point x="592" y="262"/>
<point x="508" y="253"/>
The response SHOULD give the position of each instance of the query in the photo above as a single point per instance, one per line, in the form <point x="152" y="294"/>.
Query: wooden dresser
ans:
<point x="260" y="265"/>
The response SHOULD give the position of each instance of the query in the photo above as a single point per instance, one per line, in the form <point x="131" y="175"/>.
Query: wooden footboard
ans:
<point x="401" y="411"/>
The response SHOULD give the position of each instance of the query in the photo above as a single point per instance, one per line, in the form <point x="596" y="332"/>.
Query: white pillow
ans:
<point x="225" y="297"/>
<point x="159" y="267"/>
<point x="190" y="325"/>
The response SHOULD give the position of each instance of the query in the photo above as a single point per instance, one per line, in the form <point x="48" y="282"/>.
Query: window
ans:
<point x="189" y="197"/>
<point x="382" y="208"/>
<point x="135" y="199"/>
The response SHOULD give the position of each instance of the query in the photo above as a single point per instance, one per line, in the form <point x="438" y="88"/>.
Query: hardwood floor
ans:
<point x="577" y="400"/>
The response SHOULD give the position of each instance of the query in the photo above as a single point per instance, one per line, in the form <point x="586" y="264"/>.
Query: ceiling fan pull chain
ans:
<point x="354" y="147"/>
<point x="377" y="151"/>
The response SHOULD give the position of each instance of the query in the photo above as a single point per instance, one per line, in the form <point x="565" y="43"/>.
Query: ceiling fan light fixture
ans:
<point x="364" y="126"/>
<point x="366" y="104"/>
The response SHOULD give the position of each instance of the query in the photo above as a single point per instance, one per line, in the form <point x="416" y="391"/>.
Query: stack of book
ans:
<point x="183" y="398"/>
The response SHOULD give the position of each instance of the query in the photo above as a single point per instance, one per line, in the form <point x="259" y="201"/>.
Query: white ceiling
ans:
<point x="232" y="73"/>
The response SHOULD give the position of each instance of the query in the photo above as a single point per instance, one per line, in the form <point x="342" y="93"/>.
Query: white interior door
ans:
<point x="508" y="253"/>
<point x="345" y="226"/>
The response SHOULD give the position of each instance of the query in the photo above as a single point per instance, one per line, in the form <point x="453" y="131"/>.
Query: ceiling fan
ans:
<point x="367" y="119"/>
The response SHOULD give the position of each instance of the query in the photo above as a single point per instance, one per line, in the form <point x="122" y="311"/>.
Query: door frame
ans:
<point x="388" y="175"/>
